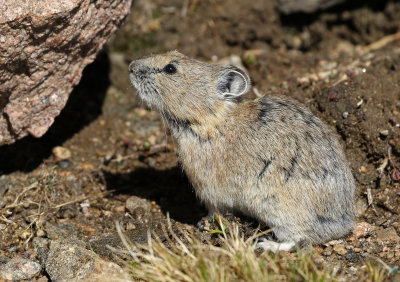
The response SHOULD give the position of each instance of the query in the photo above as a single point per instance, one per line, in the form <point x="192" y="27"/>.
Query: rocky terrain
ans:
<point x="107" y="158"/>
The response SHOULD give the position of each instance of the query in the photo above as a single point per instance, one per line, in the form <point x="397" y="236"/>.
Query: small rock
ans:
<point x="361" y="207"/>
<point x="86" y="166"/>
<point x="362" y="229"/>
<point x="345" y="115"/>
<point x="40" y="233"/>
<point x="19" y="269"/>
<point x="384" y="133"/>
<point x="42" y="254"/>
<point x="352" y="270"/>
<point x="2" y="203"/>
<point x="64" y="163"/>
<point x="4" y="186"/>
<point x="339" y="249"/>
<point x="26" y="204"/>
<point x="327" y="251"/>
<point x="152" y="139"/>
<point x="352" y="256"/>
<point x="363" y="169"/>
<point x="137" y="206"/>
<point x="319" y="249"/>
<point x="85" y="205"/>
<point x="119" y="209"/>
<point x="254" y="53"/>
<point x="42" y="279"/>
<point x="39" y="242"/>
<point x="130" y="226"/>
<point x="388" y="234"/>
<point x="25" y="235"/>
<point x="234" y="60"/>
<point x="63" y="231"/>
<point x="67" y="262"/>
<point x="61" y="153"/>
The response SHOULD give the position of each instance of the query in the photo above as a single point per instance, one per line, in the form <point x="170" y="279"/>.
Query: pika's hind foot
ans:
<point x="268" y="245"/>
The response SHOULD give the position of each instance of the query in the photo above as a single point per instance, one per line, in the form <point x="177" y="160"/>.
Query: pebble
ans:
<point x="130" y="226"/>
<point x="40" y="233"/>
<point x="345" y="115"/>
<point x="384" y="133"/>
<point x="352" y="256"/>
<point x="327" y="251"/>
<point x="61" y="153"/>
<point x="25" y="235"/>
<point x="86" y="166"/>
<point x="339" y="249"/>
<point x="363" y="169"/>
<point x="388" y="234"/>
<point x="361" y="207"/>
<point x="353" y="270"/>
<point x="152" y="140"/>
<point x="64" y="163"/>
<point x="38" y="242"/>
<point x="137" y="206"/>
<point x="19" y="269"/>
<point x="119" y="209"/>
<point x="2" y="203"/>
<point x="4" y="186"/>
<point x="362" y="229"/>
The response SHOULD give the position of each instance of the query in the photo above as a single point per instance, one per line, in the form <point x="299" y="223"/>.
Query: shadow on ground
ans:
<point x="300" y="20"/>
<point x="84" y="105"/>
<point x="169" y="188"/>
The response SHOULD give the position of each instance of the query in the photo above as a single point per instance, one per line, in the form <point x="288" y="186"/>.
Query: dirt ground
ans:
<point x="334" y="62"/>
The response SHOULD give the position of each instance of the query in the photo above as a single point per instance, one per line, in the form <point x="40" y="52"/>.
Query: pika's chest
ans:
<point x="204" y="161"/>
<point x="214" y="163"/>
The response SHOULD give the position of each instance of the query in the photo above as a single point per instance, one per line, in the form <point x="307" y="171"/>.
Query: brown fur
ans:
<point x="269" y="158"/>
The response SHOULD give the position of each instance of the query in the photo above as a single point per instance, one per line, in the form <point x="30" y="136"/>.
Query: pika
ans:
<point x="268" y="158"/>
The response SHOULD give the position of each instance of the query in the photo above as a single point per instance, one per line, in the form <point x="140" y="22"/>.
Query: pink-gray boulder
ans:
<point x="44" y="47"/>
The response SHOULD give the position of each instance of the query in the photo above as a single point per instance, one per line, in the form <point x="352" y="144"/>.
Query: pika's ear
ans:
<point x="232" y="83"/>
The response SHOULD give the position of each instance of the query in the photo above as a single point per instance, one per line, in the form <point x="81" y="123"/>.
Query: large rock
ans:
<point x="44" y="46"/>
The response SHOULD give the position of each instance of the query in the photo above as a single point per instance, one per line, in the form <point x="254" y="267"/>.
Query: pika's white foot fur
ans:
<point x="272" y="246"/>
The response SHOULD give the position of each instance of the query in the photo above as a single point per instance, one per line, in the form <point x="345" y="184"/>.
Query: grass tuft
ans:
<point x="185" y="257"/>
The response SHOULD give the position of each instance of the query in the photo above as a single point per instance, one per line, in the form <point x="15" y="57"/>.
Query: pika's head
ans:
<point x="187" y="89"/>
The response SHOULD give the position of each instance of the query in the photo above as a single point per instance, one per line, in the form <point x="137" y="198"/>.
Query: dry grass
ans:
<point x="189" y="259"/>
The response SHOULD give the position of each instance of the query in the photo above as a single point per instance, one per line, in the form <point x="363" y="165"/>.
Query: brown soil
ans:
<point x="120" y="149"/>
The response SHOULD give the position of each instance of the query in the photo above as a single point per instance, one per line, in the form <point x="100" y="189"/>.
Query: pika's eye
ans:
<point x="170" y="69"/>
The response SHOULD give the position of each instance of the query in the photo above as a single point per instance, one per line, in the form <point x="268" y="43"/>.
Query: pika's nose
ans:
<point x="132" y="66"/>
<point x="138" y="68"/>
